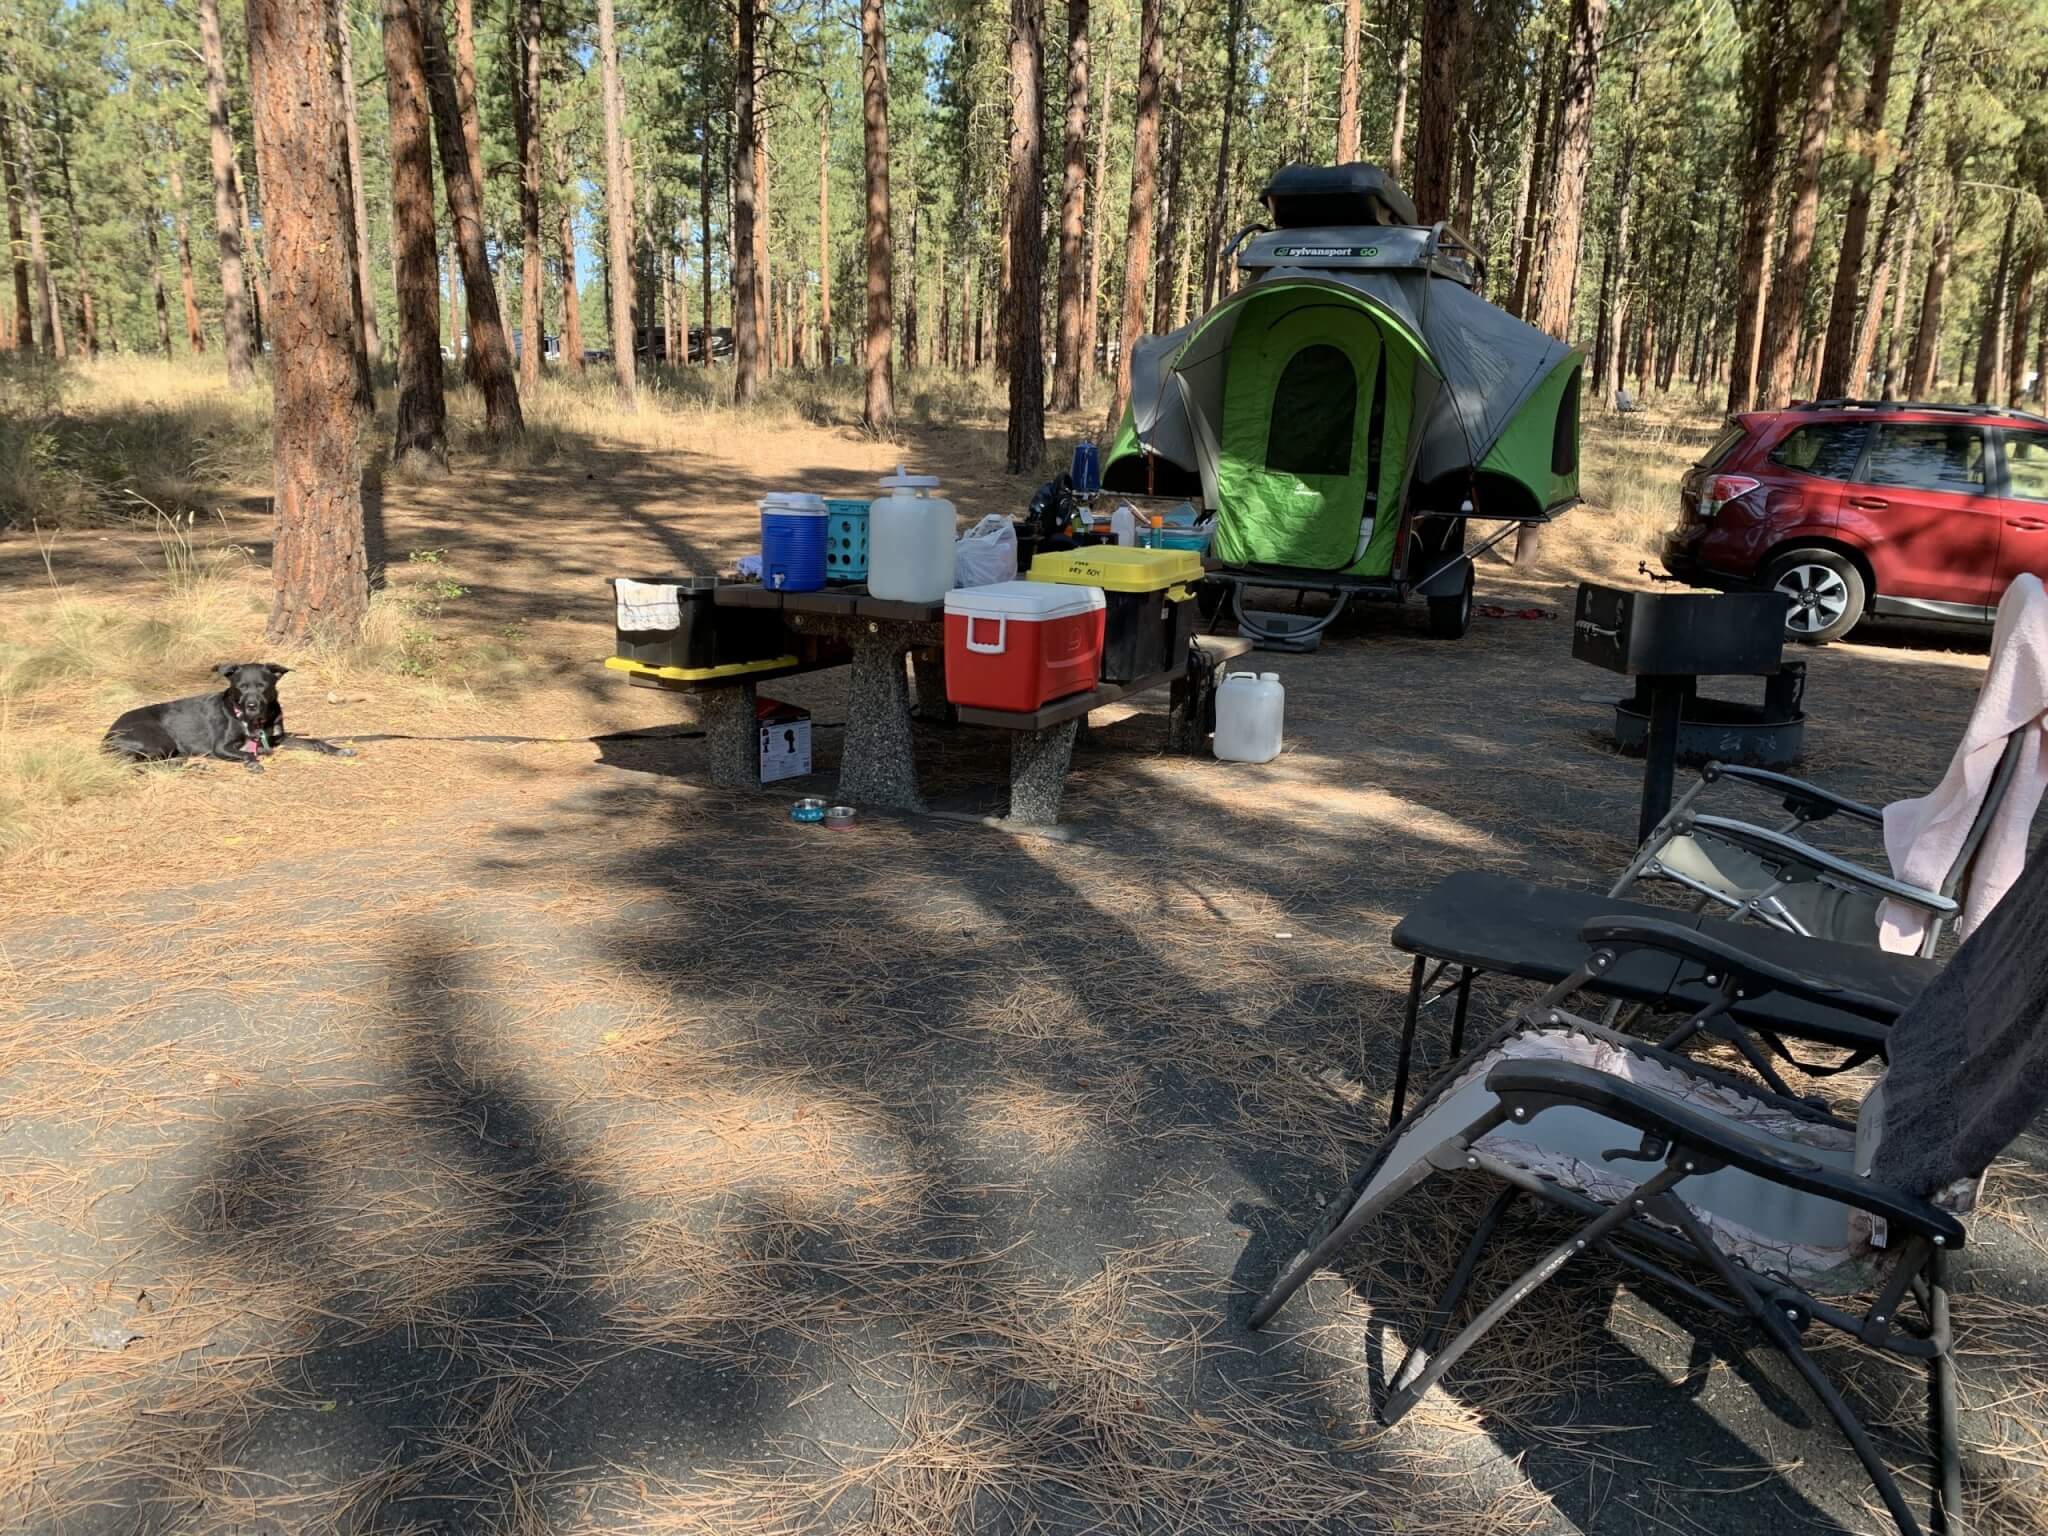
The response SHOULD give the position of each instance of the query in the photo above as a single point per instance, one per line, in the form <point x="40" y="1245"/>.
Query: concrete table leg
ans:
<point x="733" y="737"/>
<point x="878" y="767"/>
<point x="1038" y="774"/>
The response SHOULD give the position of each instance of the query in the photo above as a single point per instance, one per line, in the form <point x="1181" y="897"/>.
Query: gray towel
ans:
<point x="1969" y="1058"/>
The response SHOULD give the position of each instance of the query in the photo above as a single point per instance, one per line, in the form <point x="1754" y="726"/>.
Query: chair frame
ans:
<point x="1653" y="1228"/>
<point x="1807" y="803"/>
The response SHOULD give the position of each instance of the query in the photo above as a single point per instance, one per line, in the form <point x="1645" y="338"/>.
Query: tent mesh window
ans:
<point x="1564" y="441"/>
<point x="1315" y="407"/>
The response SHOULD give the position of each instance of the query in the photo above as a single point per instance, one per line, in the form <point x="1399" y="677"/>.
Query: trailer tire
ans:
<point x="1450" y="617"/>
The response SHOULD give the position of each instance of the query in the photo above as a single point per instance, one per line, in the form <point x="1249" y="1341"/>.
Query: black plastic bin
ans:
<point x="709" y="636"/>
<point x="1144" y="634"/>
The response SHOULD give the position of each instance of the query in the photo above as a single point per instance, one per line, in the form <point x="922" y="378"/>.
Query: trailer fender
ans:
<point x="1448" y="581"/>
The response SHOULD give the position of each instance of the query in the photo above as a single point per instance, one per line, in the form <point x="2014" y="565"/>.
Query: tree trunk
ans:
<point x="1446" y="29"/>
<point x="252" y="261"/>
<point x="526" y="127"/>
<point x="1897" y="328"/>
<point x="1024" y="446"/>
<point x="1397" y="134"/>
<point x="1145" y="191"/>
<point x="763" y="219"/>
<point x="746" y="293"/>
<point x="195" y="331"/>
<point x="22" y="324"/>
<point x="227" y="212"/>
<point x="1091" y="287"/>
<point x="617" y="207"/>
<point x="707" y="157"/>
<point x="1219" y="207"/>
<point x="150" y="217"/>
<point x="1986" y="385"/>
<point x="878" y="412"/>
<point x="38" y="254"/>
<point x="88" y="321"/>
<point x="319" y="564"/>
<point x="373" y="345"/>
<point x="1777" y="360"/>
<point x="2029" y="265"/>
<point x="1900" y="197"/>
<point x="1839" y="354"/>
<point x="565" y="253"/>
<point x="1614" y="301"/>
<point x="910" y="358"/>
<point x="1761" y="77"/>
<point x="1556" y="293"/>
<point x="1347" y="86"/>
<point x="1166" y="225"/>
<point x="1926" y="343"/>
<point x="824" y="225"/>
<point x="1069" y="340"/>
<point x="422" y="408"/>
<point x="1535" y="192"/>
<point x="489" y="352"/>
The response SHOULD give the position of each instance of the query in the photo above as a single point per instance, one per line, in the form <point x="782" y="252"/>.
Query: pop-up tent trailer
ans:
<point x="1354" y="407"/>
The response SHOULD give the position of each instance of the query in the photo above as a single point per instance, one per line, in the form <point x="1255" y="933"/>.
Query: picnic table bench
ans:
<point x="845" y="625"/>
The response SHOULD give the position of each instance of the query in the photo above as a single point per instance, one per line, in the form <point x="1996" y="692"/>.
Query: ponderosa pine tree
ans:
<point x="1557" y="290"/>
<point x="53" y="341"/>
<point x="1068" y="341"/>
<point x="1347" y="85"/>
<point x="366" y="292"/>
<point x="1446" y="33"/>
<point x="1778" y="347"/>
<point x="526" y="128"/>
<point x="490" y="353"/>
<point x="1838" y="353"/>
<point x="227" y="207"/>
<point x="319" y="563"/>
<point x="618" y="204"/>
<point x="1145" y="192"/>
<point x="746" y="287"/>
<point x="22" y="319"/>
<point x="1024" y="444"/>
<point x="1761" y="76"/>
<point x="878" y="412"/>
<point x="1219" y="203"/>
<point x="422" y="427"/>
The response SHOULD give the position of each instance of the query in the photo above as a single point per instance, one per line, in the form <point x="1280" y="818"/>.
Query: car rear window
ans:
<point x="1722" y="446"/>
<point x="1826" y="449"/>
<point x="2026" y="465"/>
<point x="1927" y="456"/>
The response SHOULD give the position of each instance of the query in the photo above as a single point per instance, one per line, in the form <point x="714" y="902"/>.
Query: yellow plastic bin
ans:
<point x="1151" y="609"/>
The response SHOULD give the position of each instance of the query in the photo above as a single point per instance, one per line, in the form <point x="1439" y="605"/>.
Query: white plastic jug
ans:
<point x="1249" y="712"/>
<point x="910" y="540"/>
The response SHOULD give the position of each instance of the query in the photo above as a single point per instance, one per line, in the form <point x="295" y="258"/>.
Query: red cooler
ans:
<point x="1019" y="644"/>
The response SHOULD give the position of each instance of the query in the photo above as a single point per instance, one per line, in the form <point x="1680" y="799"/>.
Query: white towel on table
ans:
<point x="645" y="605"/>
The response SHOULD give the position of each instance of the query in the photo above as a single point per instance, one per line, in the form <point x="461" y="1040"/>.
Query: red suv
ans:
<point x="1855" y="507"/>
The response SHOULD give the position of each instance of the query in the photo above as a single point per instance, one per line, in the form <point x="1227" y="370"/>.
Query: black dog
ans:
<point x="240" y="724"/>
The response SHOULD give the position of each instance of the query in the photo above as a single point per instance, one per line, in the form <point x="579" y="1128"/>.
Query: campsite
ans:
<point x="1212" y="767"/>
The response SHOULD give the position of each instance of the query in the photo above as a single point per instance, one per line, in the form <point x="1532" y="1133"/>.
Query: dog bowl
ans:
<point x="810" y="808"/>
<point x="839" y="817"/>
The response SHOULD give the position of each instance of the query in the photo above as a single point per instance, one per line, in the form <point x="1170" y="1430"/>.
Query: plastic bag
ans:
<point x="986" y="553"/>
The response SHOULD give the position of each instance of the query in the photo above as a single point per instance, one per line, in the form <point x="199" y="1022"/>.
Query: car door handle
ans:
<point x="2026" y="524"/>
<point x="1869" y="503"/>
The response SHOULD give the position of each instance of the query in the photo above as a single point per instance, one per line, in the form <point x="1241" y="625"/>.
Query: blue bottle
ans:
<point x="1087" y="471"/>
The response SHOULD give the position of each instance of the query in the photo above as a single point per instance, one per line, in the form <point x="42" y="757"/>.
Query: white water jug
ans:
<point x="910" y="540"/>
<point x="1249" y="712"/>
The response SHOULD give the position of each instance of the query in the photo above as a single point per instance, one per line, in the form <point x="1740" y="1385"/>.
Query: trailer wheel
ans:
<point x="1450" y="617"/>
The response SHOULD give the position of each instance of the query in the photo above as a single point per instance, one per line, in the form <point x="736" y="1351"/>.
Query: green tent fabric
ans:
<point x="1452" y="397"/>
<point x="1294" y="403"/>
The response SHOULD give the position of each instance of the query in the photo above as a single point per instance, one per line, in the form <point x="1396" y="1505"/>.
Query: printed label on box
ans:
<point x="785" y="740"/>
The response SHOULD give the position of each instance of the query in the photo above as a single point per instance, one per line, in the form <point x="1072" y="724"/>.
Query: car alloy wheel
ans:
<point x="1819" y="598"/>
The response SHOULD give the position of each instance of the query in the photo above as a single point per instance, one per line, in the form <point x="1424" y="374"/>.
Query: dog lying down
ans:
<point x="243" y="723"/>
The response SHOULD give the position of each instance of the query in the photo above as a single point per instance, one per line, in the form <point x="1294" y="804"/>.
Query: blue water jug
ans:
<point x="793" y="541"/>
<point x="1087" y="471"/>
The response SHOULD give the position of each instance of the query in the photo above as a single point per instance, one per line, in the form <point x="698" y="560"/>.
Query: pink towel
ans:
<point x="1924" y="837"/>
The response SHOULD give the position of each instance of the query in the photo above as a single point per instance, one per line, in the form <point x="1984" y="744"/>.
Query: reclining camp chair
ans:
<point x="1777" y="876"/>
<point x="1668" y="1161"/>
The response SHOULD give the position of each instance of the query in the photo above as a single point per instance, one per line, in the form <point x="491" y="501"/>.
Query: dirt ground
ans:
<point x="523" y="1136"/>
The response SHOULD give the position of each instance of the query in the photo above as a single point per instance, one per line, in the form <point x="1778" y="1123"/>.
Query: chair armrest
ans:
<point x="1537" y="1085"/>
<point x="1776" y="845"/>
<point x="1753" y="973"/>
<point x="1809" y="802"/>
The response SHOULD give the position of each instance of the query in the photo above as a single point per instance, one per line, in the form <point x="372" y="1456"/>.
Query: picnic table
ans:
<point x="842" y="625"/>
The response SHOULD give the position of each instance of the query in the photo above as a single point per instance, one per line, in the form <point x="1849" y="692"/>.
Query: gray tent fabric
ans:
<point x="1489" y="363"/>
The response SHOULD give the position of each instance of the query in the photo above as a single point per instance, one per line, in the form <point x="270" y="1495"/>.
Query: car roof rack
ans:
<point x="1944" y="407"/>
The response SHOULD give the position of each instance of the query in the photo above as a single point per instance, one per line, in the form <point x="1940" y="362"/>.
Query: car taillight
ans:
<point x="1721" y="490"/>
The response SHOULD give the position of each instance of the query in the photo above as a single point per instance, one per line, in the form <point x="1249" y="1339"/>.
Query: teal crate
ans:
<point x="846" y="541"/>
